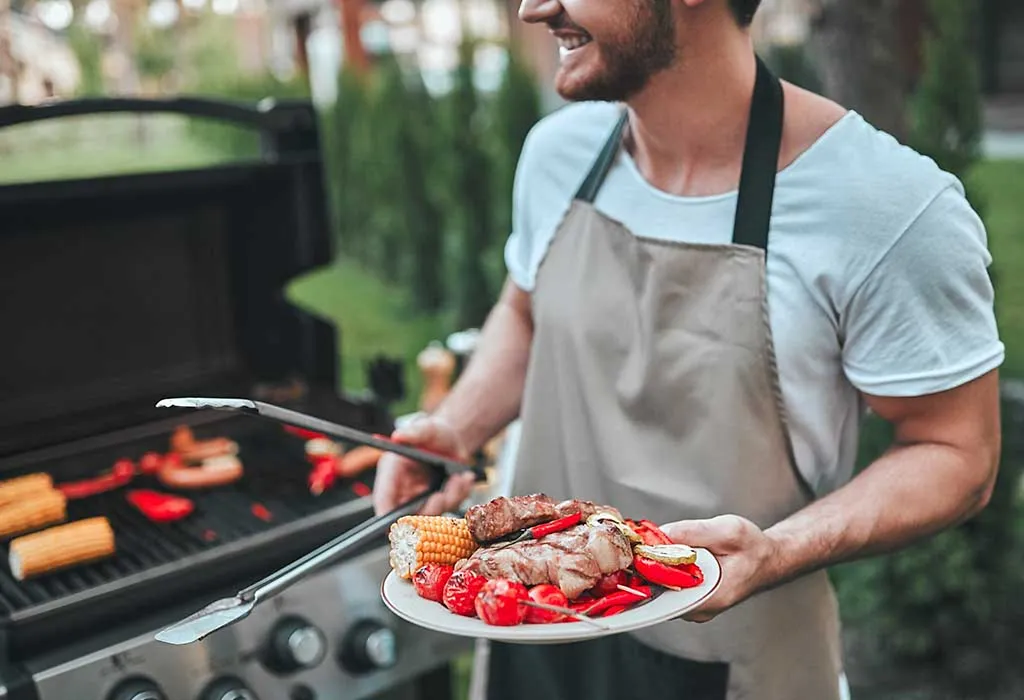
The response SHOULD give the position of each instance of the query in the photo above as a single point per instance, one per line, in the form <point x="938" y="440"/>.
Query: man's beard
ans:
<point x="629" y="63"/>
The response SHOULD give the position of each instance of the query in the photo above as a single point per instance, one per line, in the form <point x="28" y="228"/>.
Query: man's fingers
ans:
<point x="721" y="534"/>
<point x="417" y="432"/>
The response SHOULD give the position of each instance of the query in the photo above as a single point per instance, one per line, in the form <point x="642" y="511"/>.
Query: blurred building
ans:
<point x="36" y="63"/>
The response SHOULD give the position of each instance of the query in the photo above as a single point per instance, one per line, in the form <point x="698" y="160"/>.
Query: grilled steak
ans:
<point x="502" y="516"/>
<point x="573" y="559"/>
<point x="588" y="508"/>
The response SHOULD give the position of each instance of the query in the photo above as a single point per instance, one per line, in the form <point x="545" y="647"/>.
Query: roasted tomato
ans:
<point x="430" y="580"/>
<point x="546" y="594"/>
<point x="460" y="592"/>
<point x="500" y="603"/>
<point x="610" y="583"/>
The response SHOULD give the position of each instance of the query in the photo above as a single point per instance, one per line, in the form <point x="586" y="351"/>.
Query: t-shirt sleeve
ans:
<point x="923" y="320"/>
<point x="520" y="243"/>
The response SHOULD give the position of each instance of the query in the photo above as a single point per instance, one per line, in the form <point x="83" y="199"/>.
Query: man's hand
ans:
<point x="745" y="553"/>
<point x="400" y="480"/>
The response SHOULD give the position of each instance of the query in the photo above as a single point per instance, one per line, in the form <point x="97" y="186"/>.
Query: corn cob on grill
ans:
<point x="420" y="539"/>
<point x="31" y="512"/>
<point x="13" y="490"/>
<point x="58" y="547"/>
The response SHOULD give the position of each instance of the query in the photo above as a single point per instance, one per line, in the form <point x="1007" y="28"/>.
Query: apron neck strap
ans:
<point x="760" y="161"/>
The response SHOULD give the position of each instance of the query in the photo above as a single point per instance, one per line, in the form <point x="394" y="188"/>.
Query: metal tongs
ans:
<point x="228" y="611"/>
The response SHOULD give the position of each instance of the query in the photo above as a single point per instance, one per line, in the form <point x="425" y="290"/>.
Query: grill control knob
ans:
<point x="369" y="646"/>
<point x="228" y="689"/>
<point x="137" y="689"/>
<point x="295" y="644"/>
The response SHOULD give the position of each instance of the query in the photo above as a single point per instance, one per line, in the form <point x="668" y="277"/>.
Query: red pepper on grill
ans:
<point x="122" y="473"/>
<point x="261" y="512"/>
<point x="545" y="529"/>
<point x="303" y="433"/>
<point x="360" y="489"/>
<point x="668" y="576"/>
<point x="151" y="463"/>
<point x="323" y="475"/>
<point x="160" y="507"/>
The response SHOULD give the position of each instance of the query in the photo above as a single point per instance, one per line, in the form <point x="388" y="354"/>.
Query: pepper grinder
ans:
<point x="437" y="367"/>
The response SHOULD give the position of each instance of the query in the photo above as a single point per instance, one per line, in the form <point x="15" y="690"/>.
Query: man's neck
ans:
<point x="688" y="126"/>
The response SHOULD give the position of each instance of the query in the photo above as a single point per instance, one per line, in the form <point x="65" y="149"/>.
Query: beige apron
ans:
<point x="652" y="387"/>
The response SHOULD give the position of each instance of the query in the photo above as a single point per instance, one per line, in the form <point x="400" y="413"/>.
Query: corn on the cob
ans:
<point x="419" y="539"/>
<point x="32" y="512"/>
<point x="59" y="547"/>
<point x="22" y="486"/>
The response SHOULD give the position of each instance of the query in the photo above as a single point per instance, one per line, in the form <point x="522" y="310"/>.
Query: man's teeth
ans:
<point x="575" y="42"/>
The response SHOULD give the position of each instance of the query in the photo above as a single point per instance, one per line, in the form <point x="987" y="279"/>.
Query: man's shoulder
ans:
<point x="859" y="173"/>
<point x="563" y="144"/>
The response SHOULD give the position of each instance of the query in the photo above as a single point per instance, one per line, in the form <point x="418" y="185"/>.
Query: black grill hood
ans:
<point x="118" y="291"/>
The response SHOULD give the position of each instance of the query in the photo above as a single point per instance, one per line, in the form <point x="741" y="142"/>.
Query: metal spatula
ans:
<point x="228" y="611"/>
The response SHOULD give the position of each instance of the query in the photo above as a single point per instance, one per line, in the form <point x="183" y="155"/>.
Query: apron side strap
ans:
<point x="595" y="178"/>
<point x="760" y="161"/>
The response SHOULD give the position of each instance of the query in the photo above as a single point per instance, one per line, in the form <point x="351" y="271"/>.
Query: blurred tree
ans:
<point x="425" y="222"/>
<point x="856" y="45"/>
<point x="351" y="12"/>
<point x="514" y="111"/>
<point x="471" y="218"/>
<point x="88" y="49"/>
<point x="946" y="113"/>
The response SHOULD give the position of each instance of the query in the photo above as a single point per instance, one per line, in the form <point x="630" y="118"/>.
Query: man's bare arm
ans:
<point x="939" y="472"/>
<point x="488" y="394"/>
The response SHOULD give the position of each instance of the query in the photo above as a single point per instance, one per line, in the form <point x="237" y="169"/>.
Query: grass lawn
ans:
<point x="1001" y="184"/>
<point x="371" y="318"/>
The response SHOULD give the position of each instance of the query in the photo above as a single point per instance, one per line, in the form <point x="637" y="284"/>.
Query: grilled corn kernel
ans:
<point x="33" y="511"/>
<point x="20" y="487"/>
<point x="59" y="547"/>
<point x="420" y="539"/>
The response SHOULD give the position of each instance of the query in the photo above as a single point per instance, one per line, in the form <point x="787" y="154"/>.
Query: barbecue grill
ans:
<point x="118" y="291"/>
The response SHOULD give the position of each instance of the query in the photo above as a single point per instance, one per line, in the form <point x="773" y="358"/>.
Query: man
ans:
<point x="711" y="275"/>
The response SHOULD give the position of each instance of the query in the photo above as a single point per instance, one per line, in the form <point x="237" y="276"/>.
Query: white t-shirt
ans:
<point x="877" y="266"/>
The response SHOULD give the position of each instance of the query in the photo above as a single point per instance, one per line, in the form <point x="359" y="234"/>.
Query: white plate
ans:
<point x="400" y="597"/>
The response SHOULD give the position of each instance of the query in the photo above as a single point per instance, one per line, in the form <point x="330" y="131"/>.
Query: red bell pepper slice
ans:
<point x="122" y="473"/>
<point x="612" y="600"/>
<point x="650" y="533"/>
<point x="160" y="507"/>
<point x="673" y="577"/>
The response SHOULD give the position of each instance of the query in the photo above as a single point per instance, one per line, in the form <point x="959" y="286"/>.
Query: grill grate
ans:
<point x="275" y="478"/>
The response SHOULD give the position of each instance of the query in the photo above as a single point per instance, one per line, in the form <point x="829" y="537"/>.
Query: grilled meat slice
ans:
<point x="588" y="508"/>
<point x="502" y="516"/>
<point x="573" y="559"/>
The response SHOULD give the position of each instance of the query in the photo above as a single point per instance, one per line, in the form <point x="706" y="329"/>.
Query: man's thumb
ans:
<point x="713" y="534"/>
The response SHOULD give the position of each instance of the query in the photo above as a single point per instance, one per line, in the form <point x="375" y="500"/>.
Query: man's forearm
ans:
<point x="911" y="492"/>
<point x="488" y="394"/>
